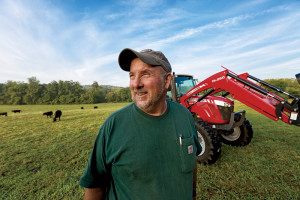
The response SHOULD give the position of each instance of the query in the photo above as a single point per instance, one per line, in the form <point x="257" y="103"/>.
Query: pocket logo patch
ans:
<point x="190" y="149"/>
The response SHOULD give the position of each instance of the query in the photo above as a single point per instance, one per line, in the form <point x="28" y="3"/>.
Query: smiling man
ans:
<point x="147" y="149"/>
<point x="148" y="85"/>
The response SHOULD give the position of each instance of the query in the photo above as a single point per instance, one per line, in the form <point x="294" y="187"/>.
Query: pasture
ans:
<point x="42" y="159"/>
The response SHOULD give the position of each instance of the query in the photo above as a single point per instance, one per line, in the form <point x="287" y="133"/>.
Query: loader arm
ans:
<point x="249" y="93"/>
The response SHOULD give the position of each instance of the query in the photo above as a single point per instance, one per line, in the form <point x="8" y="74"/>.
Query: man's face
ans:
<point x="148" y="85"/>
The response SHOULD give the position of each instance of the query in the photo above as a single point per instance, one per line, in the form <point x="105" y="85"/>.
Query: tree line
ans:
<point x="290" y="85"/>
<point x="61" y="92"/>
<point x="70" y="92"/>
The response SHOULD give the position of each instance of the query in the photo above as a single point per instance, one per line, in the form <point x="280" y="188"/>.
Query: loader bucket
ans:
<point x="298" y="77"/>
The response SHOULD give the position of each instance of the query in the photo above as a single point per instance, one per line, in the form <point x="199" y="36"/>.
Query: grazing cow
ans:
<point x="81" y="107"/>
<point x="16" y="111"/>
<point x="4" y="113"/>
<point x="95" y="107"/>
<point x="48" y="114"/>
<point x="57" y="114"/>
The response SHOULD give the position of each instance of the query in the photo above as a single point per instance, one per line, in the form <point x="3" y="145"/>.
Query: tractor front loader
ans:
<point x="215" y="119"/>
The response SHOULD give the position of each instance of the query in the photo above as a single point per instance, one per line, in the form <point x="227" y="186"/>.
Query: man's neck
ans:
<point x="158" y="110"/>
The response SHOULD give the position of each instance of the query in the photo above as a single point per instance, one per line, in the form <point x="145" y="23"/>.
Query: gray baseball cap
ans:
<point x="149" y="56"/>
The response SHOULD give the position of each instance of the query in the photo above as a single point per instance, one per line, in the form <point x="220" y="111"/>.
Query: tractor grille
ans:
<point x="225" y="112"/>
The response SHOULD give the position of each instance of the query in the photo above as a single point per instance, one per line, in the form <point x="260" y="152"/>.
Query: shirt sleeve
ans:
<point x="96" y="172"/>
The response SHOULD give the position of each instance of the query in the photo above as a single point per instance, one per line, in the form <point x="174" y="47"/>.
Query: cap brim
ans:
<point x="127" y="55"/>
<point x="125" y="58"/>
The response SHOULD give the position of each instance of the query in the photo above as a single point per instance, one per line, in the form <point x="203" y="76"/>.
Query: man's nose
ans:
<point x="137" y="82"/>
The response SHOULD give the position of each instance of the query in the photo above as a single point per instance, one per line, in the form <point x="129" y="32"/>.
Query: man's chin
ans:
<point x="142" y="104"/>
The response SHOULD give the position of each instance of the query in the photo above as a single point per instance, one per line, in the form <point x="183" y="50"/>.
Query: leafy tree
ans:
<point x="124" y="94"/>
<point x="2" y="99"/>
<point x="95" y="94"/>
<point x="111" y="96"/>
<point x="14" y="92"/>
<point x="119" y="95"/>
<point x="33" y="91"/>
<point x="289" y="85"/>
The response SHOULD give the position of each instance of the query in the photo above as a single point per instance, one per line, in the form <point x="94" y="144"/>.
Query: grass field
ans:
<point x="40" y="159"/>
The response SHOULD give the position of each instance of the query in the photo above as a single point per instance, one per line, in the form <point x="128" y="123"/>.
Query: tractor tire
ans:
<point x="240" y="136"/>
<point x="210" y="143"/>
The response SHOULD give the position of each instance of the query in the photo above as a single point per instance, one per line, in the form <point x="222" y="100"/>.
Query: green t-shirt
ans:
<point x="142" y="157"/>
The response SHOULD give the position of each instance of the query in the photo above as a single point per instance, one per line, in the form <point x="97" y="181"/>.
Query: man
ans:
<point x="147" y="149"/>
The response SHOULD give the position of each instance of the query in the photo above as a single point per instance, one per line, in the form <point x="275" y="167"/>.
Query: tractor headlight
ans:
<point x="225" y="112"/>
<point x="225" y="109"/>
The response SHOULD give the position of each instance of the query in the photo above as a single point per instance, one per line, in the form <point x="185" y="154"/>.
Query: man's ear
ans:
<point x="168" y="81"/>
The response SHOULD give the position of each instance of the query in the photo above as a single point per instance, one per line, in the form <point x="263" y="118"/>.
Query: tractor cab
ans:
<point x="181" y="84"/>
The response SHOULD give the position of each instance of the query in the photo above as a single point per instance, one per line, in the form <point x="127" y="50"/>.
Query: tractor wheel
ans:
<point x="210" y="143"/>
<point x="240" y="136"/>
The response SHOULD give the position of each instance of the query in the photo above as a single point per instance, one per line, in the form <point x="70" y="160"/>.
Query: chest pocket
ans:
<point x="187" y="154"/>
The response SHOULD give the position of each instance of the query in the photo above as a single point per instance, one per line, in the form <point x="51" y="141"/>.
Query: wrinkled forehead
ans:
<point x="138" y="65"/>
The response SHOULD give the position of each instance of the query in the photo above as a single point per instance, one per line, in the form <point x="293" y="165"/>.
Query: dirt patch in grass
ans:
<point x="18" y="153"/>
<point x="35" y="170"/>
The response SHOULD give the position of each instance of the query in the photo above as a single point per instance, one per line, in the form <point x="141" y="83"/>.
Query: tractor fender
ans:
<point x="232" y="123"/>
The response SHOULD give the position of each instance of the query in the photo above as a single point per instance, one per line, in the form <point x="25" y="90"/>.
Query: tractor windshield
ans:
<point x="184" y="84"/>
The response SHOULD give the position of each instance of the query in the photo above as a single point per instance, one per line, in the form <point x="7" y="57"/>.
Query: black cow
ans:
<point x="82" y="107"/>
<point x="95" y="107"/>
<point x="57" y="114"/>
<point x="16" y="111"/>
<point x="48" y="114"/>
<point x="4" y="113"/>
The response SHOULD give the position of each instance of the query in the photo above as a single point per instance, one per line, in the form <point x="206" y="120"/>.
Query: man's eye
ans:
<point x="131" y="76"/>
<point x="146" y="75"/>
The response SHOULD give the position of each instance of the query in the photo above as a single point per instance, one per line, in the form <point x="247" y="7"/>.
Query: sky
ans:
<point x="80" y="40"/>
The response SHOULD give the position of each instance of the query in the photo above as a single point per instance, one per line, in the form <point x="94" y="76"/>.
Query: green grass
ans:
<point x="40" y="159"/>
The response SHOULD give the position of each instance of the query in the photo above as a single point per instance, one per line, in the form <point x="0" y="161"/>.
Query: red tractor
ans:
<point x="215" y="119"/>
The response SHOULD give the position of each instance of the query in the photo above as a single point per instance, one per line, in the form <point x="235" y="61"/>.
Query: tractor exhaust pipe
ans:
<point x="298" y="77"/>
